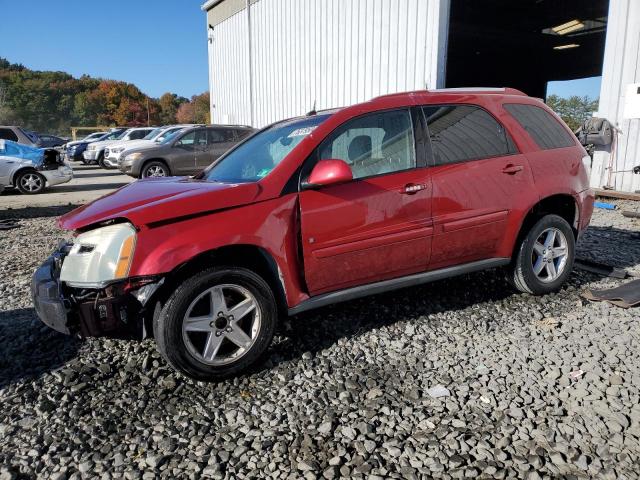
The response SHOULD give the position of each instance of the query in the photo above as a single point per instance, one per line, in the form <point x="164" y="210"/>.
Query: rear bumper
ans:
<point x="585" y="200"/>
<point x="109" y="312"/>
<point x="63" y="174"/>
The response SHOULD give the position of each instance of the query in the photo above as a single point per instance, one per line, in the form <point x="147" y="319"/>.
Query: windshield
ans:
<point x="123" y="134"/>
<point x="113" y="135"/>
<point x="152" y="134"/>
<point x="169" y="138"/>
<point x="260" y="154"/>
<point x="166" y="133"/>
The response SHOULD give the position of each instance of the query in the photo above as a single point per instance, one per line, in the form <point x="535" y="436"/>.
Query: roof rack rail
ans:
<point x="505" y="90"/>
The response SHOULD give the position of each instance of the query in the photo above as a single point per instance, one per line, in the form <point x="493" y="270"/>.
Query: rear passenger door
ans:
<point x="219" y="140"/>
<point x="477" y="176"/>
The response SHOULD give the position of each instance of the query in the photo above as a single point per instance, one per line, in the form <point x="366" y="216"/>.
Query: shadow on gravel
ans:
<point x="35" y="212"/>
<point x="29" y="348"/>
<point x="317" y="330"/>
<point x="610" y="245"/>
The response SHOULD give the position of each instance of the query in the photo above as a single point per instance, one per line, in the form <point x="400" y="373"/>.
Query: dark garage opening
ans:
<point x="524" y="43"/>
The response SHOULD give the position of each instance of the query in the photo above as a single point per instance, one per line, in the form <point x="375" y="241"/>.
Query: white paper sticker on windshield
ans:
<point x="2" y="144"/>
<point x="301" y="132"/>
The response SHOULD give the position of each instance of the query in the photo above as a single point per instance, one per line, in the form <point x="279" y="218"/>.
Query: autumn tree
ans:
<point x="168" y="104"/>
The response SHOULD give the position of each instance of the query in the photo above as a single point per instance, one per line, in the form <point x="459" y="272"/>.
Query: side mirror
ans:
<point x="329" y="172"/>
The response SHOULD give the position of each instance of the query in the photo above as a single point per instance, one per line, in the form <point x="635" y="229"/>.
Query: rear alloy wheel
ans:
<point x="545" y="257"/>
<point x="217" y="323"/>
<point x="155" y="169"/>
<point x="30" y="183"/>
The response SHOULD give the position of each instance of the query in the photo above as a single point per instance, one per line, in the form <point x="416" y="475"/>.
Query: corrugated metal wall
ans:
<point x="621" y="67"/>
<point x="328" y="52"/>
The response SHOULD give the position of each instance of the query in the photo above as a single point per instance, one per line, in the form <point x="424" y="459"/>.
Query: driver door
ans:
<point x="379" y="225"/>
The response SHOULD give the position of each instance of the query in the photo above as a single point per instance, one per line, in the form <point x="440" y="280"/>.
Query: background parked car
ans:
<point x="19" y="135"/>
<point x="95" y="151"/>
<point x="50" y="141"/>
<point x="113" y="153"/>
<point x="113" y="134"/>
<point x="31" y="169"/>
<point x="185" y="152"/>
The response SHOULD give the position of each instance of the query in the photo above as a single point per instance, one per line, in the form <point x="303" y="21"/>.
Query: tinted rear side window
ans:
<point x="545" y="130"/>
<point x="460" y="133"/>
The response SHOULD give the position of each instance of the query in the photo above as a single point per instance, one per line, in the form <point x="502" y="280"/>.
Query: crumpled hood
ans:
<point x="157" y="200"/>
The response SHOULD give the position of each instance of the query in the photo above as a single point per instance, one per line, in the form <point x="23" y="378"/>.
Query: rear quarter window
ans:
<point x="543" y="127"/>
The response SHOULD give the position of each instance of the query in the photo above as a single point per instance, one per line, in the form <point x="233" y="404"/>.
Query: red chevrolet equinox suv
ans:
<point x="398" y="191"/>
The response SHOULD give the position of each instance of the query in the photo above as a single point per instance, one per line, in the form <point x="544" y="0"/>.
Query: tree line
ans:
<point x="53" y="102"/>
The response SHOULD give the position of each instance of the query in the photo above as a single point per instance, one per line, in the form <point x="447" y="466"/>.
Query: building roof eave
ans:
<point x="209" y="4"/>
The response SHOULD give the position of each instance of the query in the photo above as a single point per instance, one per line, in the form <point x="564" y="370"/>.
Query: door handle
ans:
<point x="413" y="188"/>
<point x="512" y="169"/>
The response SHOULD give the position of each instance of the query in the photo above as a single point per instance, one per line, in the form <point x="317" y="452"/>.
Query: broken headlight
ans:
<point x="100" y="256"/>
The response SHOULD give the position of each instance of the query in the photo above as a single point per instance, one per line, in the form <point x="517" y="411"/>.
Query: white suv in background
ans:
<point x="113" y="152"/>
<point x="95" y="150"/>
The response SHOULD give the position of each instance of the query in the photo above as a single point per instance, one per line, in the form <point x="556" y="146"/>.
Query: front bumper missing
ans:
<point x="109" y="312"/>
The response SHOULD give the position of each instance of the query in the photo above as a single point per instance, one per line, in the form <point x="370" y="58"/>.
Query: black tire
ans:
<point x="101" y="161"/>
<point x="30" y="182"/>
<point x="156" y="165"/>
<point x="168" y="329"/>
<point x="521" y="274"/>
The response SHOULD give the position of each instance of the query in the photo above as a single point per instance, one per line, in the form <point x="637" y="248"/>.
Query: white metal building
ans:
<point x="273" y="59"/>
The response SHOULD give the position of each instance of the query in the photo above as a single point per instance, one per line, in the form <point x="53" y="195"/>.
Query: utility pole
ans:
<point x="148" y="115"/>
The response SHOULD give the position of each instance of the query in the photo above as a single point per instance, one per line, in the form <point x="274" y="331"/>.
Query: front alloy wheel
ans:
<point x="217" y="323"/>
<point x="221" y="324"/>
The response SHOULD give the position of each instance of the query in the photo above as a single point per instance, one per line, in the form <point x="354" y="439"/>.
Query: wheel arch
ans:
<point x="562" y="204"/>
<point x="251" y="257"/>
<point x="147" y="161"/>
<point x="21" y="170"/>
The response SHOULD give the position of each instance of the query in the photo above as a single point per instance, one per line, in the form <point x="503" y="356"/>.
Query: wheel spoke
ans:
<point x="551" y="270"/>
<point x="237" y="336"/>
<point x="217" y="302"/>
<point x="212" y="346"/>
<point x="198" y="324"/>
<point x="538" y="266"/>
<point x="538" y="248"/>
<point x="559" y="252"/>
<point x="551" y="238"/>
<point x="242" y="309"/>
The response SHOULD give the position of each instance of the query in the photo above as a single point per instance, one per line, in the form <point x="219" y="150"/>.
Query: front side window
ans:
<point x="373" y="144"/>
<point x="255" y="158"/>
<point x="545" y="130"/>
<point x="460" y="133"/>
<point x="7" y="134"/>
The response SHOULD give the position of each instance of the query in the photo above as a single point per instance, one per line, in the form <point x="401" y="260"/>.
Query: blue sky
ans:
<point x="159" y="49"/>
<point x="589" y="87"/>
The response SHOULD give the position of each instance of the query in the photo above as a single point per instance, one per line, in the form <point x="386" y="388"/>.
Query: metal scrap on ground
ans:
<point x="625" y="296"/>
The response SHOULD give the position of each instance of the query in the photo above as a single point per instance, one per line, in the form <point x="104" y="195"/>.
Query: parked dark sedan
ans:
<point x="50" y="141"/>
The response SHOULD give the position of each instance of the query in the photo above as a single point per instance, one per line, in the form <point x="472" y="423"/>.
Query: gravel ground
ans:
<point x="347" y="391"/>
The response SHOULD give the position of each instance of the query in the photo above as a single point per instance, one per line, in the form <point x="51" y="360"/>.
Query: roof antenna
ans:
<point x="313" y="110"/>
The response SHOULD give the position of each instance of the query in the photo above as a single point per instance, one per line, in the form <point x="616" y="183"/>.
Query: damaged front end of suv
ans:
<point x="83" y="288"/>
